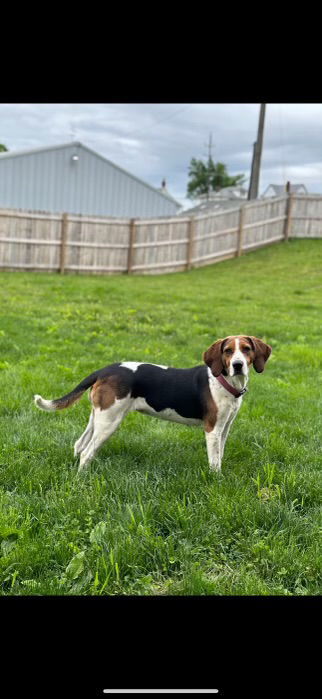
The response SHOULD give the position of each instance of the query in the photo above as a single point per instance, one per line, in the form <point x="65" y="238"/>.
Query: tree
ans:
<point x="3" y="148"/>
<point x="209" y="177"/>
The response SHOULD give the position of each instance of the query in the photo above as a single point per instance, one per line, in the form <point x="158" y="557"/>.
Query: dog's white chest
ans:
<point x="227" y="405"/>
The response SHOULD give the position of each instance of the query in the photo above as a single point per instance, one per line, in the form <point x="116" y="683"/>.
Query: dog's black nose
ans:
<point x="238" y="367"/>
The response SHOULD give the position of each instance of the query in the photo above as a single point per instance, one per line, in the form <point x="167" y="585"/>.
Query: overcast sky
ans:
<point x="156" y="141"/>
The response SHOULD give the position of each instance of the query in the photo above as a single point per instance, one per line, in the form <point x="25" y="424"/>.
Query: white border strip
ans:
<point x="160" y="691"/>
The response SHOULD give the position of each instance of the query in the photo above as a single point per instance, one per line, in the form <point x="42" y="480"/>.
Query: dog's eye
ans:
<point x="246" y="349"/>
<point x="228" y="351"/>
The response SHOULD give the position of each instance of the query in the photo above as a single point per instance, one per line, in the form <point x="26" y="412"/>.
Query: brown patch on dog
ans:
<point x="247" y="348"/>
<point x="106" y="391"/>
<point x="60" y="404"/>
<point x="228" y="348"/>
<point x="211" y="411"/>
<point x="216" y="356"/>
<point x="213" y="357"/>
<point x="262" y="352"/>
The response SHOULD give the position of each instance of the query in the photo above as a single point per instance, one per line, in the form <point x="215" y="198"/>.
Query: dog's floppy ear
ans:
<point x="212" y="357"/>
<point x="262" y="352"/>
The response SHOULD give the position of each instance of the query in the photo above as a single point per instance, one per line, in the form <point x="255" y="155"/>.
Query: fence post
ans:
<point x="191" y="234"/>
<point x="63" y="241"/>
<point x="288" y="214"/>
<point x="130" y="252"/>
<point x="240" y="231"/>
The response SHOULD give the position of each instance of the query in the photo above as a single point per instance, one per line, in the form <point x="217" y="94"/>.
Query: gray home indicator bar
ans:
<point x="160" y="691"/>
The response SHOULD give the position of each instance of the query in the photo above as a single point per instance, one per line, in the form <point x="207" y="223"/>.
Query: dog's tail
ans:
<point x="69" y="398"/>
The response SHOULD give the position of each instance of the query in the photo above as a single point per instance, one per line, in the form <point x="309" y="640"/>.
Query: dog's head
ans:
<point x="234" y="355"/>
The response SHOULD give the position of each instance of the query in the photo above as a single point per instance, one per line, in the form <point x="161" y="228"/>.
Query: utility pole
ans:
<point x="257" y="154"/>
<point x="251" y="181"/>
<point x="209" y="146"/>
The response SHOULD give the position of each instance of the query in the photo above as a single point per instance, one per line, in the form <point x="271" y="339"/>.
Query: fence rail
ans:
<point x="39" y="240"/>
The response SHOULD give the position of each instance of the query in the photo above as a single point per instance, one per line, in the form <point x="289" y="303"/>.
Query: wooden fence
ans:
<point x="53" y="242"/>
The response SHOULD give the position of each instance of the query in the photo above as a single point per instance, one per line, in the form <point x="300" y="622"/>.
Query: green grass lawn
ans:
<point x="147" y="517"/>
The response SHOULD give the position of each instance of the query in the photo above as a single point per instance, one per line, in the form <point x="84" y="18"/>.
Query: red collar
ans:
<point x="230" y="388"/>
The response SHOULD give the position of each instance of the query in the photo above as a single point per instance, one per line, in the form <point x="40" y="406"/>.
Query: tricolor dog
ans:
<point x="208" y="395"/>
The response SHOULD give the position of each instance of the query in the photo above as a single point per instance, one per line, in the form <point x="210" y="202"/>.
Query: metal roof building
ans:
<point x="225" y="198"/>
<point x="277" y="190"/>
<point x="74" y="179"/>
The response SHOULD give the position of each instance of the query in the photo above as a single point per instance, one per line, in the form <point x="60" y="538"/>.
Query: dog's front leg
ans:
<point x="225" y="434"/>
<point x="213" y="441"/>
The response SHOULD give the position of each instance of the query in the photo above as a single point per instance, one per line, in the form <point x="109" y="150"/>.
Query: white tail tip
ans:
<point x="42" y="403"/>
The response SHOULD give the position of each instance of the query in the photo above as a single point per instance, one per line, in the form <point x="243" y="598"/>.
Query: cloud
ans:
<point x="154" y="141"/>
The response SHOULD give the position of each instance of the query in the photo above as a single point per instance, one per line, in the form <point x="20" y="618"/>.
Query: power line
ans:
<point x="156" y="123"/>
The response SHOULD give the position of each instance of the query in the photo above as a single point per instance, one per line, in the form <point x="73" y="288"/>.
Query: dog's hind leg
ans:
<point x="105" y="423"/>
<point x="85" y="438"/>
